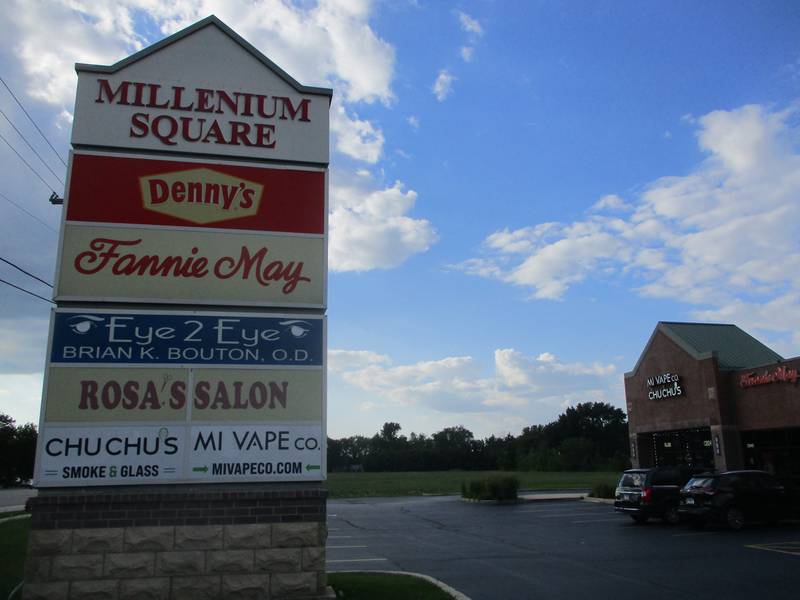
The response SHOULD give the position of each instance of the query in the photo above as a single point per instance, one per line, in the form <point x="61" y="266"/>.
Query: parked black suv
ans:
<point x="651" y="493"/>
<point x="733" y="498"/>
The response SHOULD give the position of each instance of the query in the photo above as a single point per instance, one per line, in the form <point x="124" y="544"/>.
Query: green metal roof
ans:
<point x="735" y="349"/>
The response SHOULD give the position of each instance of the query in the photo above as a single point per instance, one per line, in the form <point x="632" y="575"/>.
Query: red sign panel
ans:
<point x="142" y="191"/>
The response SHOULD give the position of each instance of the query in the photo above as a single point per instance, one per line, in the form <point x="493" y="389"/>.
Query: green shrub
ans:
<point x="602" y="490"/>
<point x="495" y="487"/>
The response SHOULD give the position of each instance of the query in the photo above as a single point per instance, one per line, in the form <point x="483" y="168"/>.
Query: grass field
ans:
<point x="354" y="485"/>
<point x="369" y="586"/>
<point x="13" y="542"/>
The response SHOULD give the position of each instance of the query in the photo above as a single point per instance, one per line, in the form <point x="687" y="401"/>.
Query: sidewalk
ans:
<point x="550" y="496"/>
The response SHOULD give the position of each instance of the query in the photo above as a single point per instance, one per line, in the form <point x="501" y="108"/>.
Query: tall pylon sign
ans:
<point x="183" y="422"/>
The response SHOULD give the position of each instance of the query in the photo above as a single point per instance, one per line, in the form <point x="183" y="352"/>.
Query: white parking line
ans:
<point x="571" y="514"/>
<point x="557" y="509"/>
<point x="352" y="560"/>
<point x="340" y="547"/>
<point x="596" y="520"/>
<point x="339" y="537"/>
<point x="694" y="533"/>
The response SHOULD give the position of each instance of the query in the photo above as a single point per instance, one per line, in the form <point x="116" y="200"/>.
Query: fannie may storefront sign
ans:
<point x="780" y="374"/>
<point x="213" y="94"/>
<point x="155" y="230"/>
<point x="148" y="397"/>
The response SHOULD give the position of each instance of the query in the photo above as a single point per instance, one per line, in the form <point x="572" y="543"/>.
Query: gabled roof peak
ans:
<point x="733" y="347"/>
<point x="210" y="21"/>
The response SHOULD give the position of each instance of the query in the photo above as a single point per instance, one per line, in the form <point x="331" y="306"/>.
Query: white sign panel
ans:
<point x="174" y="452"/>
<point x="247" y="453"/>
<point x="111" y="455"/>
<point x="202" y="91"/>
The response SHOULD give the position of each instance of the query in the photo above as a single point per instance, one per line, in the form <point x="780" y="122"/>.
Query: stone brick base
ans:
<point x="258" y="541"/>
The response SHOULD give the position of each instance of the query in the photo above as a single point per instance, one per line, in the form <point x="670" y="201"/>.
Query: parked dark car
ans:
<point x="651" y="493"/>
<point x="734" y="498"/>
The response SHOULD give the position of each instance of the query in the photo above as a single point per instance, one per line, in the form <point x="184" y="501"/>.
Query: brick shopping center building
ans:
<point x="713" y="396"/>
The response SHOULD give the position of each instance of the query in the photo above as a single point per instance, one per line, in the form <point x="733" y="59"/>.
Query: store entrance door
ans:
<point x="690" y="447"/>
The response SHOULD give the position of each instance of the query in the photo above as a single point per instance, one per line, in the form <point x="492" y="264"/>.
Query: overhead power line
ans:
<point x="44" y="137"/>
<point x="27" y="164"/>
<point x="21" y="270"/>
<point x="27" y="212"/>
<point x="16" y="287"/>
<point x="39" y="156"/>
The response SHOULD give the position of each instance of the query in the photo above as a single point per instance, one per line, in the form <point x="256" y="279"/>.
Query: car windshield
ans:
<point x="701" y="482"/>
<point x="634" y="480"/>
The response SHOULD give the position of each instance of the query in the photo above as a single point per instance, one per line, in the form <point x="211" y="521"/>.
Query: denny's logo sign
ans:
<point x="200" y="195"/>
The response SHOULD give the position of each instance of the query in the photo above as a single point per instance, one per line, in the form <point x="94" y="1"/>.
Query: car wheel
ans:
<point x="671" y="516"/>
<point x="639" y="519"/>
<point x="734" y="517"/>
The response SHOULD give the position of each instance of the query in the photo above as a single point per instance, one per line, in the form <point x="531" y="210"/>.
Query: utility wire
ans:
<point x="32" y="121"/>
<point x="27" y="164"/>
<point x="21" y="270"/>
<point x="30" y="214"/>
<point x="46" y="166"/>
<point x="16" y="287"/>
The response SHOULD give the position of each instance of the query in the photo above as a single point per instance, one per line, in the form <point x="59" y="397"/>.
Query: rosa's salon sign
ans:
<point x="232" y="102"/>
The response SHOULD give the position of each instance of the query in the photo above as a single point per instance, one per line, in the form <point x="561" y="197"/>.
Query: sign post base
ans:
<point x="183" y="541"/>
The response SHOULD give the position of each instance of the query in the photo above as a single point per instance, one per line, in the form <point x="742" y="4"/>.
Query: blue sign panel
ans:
<point x="141" y="337"/>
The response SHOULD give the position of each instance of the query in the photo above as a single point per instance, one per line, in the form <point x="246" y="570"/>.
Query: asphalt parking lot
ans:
<point x="564" y="549"/>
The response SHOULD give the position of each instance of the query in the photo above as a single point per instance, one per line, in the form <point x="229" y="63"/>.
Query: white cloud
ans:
<point x="611" y="203"/>
<point x="723" y="237"/>
<point x="20" y="396"/>
<point x="467" y="52"/>
<point x="443" y="86"/>
<point x="413" y="121"/>
<point x="370" y="229"/>
<point x="330" y="42"/>
<point x="354" y="137"/>
<point x="530" y="389"/>
<point x="469" y="24"/>
<point x="348" y="360"/>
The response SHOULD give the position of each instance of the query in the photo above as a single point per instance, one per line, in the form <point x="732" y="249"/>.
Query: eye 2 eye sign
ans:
<point x="142" y="337"/>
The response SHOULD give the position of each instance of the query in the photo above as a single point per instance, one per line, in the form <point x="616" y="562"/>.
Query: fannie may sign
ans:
<point x="146" y="229"/>
<point x="149" y="397"/>
<point x="206" y="91"/>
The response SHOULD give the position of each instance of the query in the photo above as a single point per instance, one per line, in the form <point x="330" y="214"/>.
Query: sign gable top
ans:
<point x="210" y="21"/>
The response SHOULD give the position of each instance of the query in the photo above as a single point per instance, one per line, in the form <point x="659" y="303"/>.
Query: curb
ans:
<point x="15" y="518"/>
<point x="8" y="509"/>
<point x="440" y="584"/>
<point x="599" y="500"/>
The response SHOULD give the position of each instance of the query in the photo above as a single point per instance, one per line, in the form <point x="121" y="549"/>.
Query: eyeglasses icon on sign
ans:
<point x="297" y="328"/>
<point x="83" y="324"/>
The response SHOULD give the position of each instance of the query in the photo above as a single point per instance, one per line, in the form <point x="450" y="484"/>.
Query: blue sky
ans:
<point x="520" y="191"/>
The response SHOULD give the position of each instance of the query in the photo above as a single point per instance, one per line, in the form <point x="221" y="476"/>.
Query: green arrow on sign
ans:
<point x="312" y="467"/>
<point x="200" y="469"/>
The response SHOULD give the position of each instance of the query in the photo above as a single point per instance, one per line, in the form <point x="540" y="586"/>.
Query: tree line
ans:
<point x="592" y="435"/>
<point x="589" y="436"/>
<point x="17" y="451"/>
